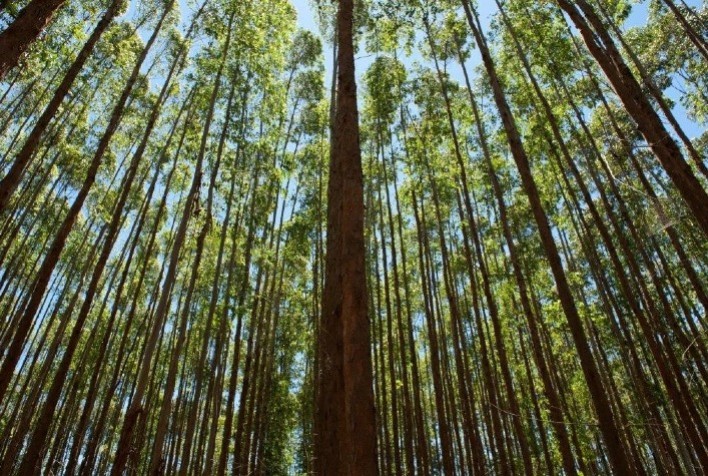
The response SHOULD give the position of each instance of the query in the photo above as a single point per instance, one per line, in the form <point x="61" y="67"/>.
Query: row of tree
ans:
<point x="209" y="264"/>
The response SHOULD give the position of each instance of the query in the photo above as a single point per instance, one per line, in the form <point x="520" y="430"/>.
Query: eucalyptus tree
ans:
<point x="135" y="407"/>
<point x="12" y="178"/>
<point x="27" y="316"/>
<point x="24" y="30"/>
<point x="505" y="280"/>
<point x="531" y="318"/>
<point x="32" y="456"/>
<point x="603" y="48"/>
<point x="345" y="430"/>
<point x="608" y="423"/>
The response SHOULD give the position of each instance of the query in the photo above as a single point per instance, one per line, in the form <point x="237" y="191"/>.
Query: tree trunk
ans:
<point x="603" y="49"/>
<point x="43" y="275"/>
<point x="345" y="429"/>
<point x="22" y="32"/>
<point x="9" y="183"/>
<point x="607" y="423"/>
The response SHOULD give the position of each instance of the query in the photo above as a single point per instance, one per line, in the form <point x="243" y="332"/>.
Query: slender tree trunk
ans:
<point x="135" y="408"/>
<point x="9" y="183"/>
<point x="33" y="454"/>
<point x="233" y="379"/>
<point x="603" y="49"/>
<point x="436" y="359"/>
<point x="48" y="264"/>
<point x="695" y="37"/>
<point x="608" y="425"/>
<point x="192" y="416"/>
<point x="555" y="408"/>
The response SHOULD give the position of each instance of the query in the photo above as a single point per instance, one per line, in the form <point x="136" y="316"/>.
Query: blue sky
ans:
<point x="305" y="16"/>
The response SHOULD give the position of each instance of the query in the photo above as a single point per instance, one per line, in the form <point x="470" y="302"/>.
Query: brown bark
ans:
<point x="555" y="408"/>
<point x="24" y="31"/>
<point x="135" y="408"/>
<point x="39" y="287"/>
<point x="607" y="423"/>
<point x="699" y="42"/>
<point x="345" y="429"/>
<point x="655" y="91"/>
<point x="434" y="352"/>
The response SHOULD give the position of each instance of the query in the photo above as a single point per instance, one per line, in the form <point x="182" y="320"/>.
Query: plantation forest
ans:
<point x="353" y="237"/>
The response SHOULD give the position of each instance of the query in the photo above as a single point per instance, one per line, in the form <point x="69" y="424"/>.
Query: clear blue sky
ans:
<point x="305" y="16"/>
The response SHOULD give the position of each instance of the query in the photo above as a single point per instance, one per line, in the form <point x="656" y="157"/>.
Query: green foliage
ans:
<point x="446" y="293"/>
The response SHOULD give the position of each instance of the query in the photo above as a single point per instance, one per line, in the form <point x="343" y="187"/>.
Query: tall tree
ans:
<point x="345" y="427"/>
<point x="9" y="182"/>
<point x="24" y="30"/>
<point x="602" y="47"/>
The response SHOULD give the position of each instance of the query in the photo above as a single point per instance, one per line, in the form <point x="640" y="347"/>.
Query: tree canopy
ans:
<point x="433" y="237"/>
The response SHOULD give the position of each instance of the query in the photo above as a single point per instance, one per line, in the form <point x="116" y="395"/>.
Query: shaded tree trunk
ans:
<point x="24" y="31"/>
<point x="345" y="430"/>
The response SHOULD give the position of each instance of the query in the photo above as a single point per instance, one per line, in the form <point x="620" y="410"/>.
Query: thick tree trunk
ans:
<point x="345" y="429"/>
<point x="22" y="32"/>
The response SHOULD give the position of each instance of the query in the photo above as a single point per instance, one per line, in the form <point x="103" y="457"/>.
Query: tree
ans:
<point x="345" y="427"/>
<point x="505" y="280"/>
<point x="24" y="30"/>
